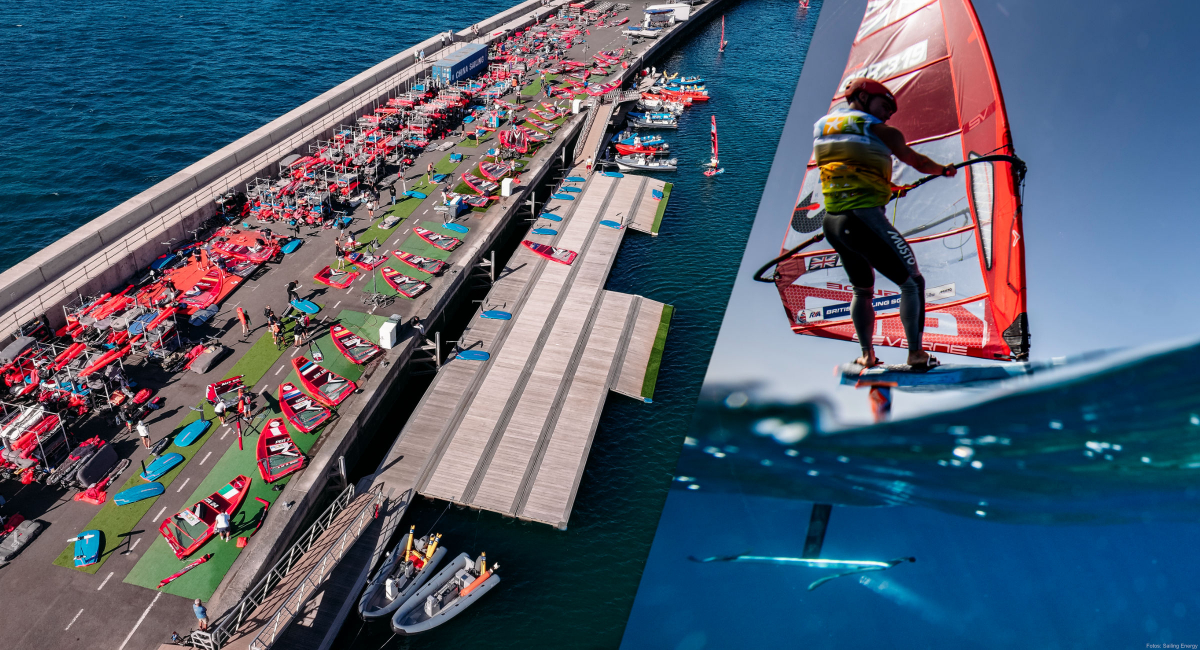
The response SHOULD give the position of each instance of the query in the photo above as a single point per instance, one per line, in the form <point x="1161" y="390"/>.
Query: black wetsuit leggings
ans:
<point x="866" y="242"/>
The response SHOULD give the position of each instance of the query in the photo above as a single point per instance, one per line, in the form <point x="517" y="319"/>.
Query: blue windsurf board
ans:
<point x="545" y="231"/>
<point x="415" y="194"/>
<point x="474" y="355"/>
<point x="610" y="223"/>
<point x="496" y="314"/>
<point x="551" y="216"/>
<point x="162" y="464"/>
<point x="138" y="492"/>
<point x="576" y="179"/>
<point x="562" y="197"/>
<point x="87" y="548"/>
<point x="456" y="227"/>
<point x="306" y="306"/>
<point x="437" y="178"/>
<point x="571" y="188"/>
<point x="614" y="174"/>
<point x="292" y="245"/>
<point x="191" y="432"/>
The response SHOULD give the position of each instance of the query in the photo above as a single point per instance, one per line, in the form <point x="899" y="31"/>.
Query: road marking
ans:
<point x="294" y="351"/>
<point x="104" y="582"/>
<point x="160" y="513"/>
<point x="139" y="621"/>
<point x="206" y="457"/>
<point x="72" y="621"/>
<point x="254" y="287"/>
<point x="279" y="371"/>
<point x="185" y="482"/>
<point x="225" y="434"/>
<point x="338" y="303"/>
<point x="137" y="541"/>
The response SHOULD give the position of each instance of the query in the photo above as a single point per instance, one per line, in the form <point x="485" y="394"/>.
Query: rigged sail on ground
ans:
<point x="965" y="231"/>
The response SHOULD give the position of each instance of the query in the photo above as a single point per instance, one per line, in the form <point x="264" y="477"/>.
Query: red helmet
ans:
<point x="871" y="87"/>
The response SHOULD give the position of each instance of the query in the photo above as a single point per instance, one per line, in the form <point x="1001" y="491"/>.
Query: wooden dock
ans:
<point x="512" y="433"/>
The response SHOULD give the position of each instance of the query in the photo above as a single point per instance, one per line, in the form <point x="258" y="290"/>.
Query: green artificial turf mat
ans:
<point x="112" y="520"/>
<point x="656" y="352"/>
<point x="662" y="208"/>
<point x="159" y="561"/>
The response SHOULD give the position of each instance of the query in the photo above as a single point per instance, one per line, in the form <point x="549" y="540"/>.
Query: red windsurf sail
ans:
<point x="965" y="231"/>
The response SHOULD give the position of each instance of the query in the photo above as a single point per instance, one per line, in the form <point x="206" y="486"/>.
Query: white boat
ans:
<point x="642" y="32"/>
<point x="643" y="163"/>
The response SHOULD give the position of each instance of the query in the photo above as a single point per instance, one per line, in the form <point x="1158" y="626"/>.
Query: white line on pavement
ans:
<point x="72" y="621"/>
<point x="160" y="513"/>
<point x="206" y="457"/>
<point x="279" y="371"/>
<point x="135" y="543"/>
<point x="139" y="621"/>
<point x="338" y="303"/>
<point x="185" y="482"/>
<point x="105" y="581"/>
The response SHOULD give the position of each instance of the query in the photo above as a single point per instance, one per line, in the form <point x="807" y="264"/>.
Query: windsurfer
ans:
<point x="853" y="148"/>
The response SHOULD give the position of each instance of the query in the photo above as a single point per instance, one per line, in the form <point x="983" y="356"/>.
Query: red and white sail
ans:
<point x="965" y="231"/>
<point x="714" y="138"/>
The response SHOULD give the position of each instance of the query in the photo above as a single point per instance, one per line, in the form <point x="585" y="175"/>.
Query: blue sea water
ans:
<point x="1056" y="512"/>
<point x="100" y="100"/>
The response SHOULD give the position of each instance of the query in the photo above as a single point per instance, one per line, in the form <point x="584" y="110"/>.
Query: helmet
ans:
<point x="871" y="87"/>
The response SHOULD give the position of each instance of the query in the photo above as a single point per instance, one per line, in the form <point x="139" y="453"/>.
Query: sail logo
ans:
<point x="881" y="13"/>
<point x="824" y="262"/>
<point x="908" y="58"/>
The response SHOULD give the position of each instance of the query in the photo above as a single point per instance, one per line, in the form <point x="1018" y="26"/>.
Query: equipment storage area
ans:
<point x="461" y="64"/>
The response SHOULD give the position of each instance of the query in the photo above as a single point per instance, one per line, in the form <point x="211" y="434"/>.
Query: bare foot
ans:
<point x="867" y="360"/>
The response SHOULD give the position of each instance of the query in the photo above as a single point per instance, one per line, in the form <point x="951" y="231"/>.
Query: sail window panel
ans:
<point x="884" y="13"/>
<point x="899" y="48"/>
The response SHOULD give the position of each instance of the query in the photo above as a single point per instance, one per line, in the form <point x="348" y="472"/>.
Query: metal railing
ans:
<point x="593" y="108"/>
<point x="225" y="627"/>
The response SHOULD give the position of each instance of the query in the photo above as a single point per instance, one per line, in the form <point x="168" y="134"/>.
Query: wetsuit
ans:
<point x="856" y="170"/>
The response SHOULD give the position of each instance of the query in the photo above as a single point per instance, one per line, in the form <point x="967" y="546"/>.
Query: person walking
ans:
<point x="219" y="409"/>
<point x="293" y="291"/>
<point x="244" y="319"/>
<point x="276" y="331"/>
<point x="371" y="209"/>
<point x="201" y="614"/>
<point x="143" y="433"/>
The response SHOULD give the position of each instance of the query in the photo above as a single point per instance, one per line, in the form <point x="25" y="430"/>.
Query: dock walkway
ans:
<point x="489" y="433"/>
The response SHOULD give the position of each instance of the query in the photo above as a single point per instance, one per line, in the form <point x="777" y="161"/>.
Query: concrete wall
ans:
<point x="111" y="248"/>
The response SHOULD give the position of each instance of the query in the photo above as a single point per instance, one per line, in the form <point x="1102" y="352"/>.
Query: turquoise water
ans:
<point x="100" y="101"/>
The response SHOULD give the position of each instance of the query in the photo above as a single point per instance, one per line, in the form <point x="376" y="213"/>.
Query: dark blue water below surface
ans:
<point x="1056" y="512"/>
<point x="100" y="100"/>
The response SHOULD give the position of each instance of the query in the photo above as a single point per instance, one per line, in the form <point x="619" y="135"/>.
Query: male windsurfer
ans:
<point x="854" y="148"/>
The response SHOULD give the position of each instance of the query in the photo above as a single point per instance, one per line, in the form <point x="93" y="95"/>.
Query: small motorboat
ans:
<point x="406" y="568"/>
<point x="653" y="121"/>
<point x="641" y="162"/>
<point x="449" y="592"/>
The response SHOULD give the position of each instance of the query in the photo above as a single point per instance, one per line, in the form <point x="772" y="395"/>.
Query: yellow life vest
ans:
<point x="855" y="165"/>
